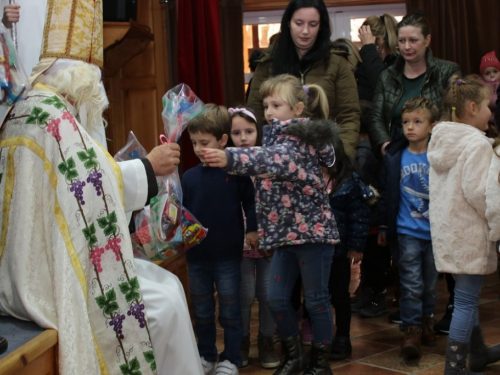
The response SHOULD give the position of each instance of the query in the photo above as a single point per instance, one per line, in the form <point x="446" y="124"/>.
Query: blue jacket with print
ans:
<point x="351" y="209"/>
<point x="291" y="202"/>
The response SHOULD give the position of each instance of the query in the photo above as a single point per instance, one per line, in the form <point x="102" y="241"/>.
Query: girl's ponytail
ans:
<point x="459" y="91"/>
<point x="317" y="102"/>
<point x="291" y="91"/>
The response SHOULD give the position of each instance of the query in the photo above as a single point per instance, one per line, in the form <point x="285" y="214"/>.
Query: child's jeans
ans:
<point x="465" y="314"/>
<point x="255" y="283"/>
<point x="226" y="276"/>
<point x="418" y="277"/>
<point x="312" y="262"/>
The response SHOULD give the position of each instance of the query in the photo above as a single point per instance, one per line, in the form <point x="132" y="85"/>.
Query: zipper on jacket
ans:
<point x="427" y="81"/>
<point x="395" y="103"/>
<point x="302" y="75"/>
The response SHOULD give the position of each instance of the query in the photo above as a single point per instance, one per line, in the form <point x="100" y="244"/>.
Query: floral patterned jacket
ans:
<point x="291" y="202"/>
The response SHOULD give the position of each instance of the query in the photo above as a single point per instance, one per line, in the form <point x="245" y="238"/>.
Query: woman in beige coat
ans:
<point x="304" y="50"/>
<point x="463" y="201"/>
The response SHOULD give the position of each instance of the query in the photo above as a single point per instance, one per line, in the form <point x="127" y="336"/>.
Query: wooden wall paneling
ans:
<point x="163" y="83"/>
<point x="231" y="31"/>
<point x="135" y="92"/>
<point x="259" y="5"/>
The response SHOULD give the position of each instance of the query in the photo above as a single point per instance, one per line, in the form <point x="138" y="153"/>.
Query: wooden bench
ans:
<point x="32" y="350"/>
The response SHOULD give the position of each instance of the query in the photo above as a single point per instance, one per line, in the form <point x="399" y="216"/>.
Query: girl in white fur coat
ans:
<point x="464" y="204"/>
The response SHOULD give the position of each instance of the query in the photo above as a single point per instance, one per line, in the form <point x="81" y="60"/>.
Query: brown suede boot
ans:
<point x="428" y="334"/>
<point x="410" y="349"/>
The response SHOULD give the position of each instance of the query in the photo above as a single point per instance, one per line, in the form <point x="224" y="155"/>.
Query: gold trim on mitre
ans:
<point x="73" y="30"/>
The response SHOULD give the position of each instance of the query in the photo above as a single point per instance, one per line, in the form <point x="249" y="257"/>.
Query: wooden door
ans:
<point x="136" y="89"/>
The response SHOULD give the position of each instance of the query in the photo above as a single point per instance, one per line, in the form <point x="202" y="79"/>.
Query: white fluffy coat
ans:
<point x="464" y="201"/>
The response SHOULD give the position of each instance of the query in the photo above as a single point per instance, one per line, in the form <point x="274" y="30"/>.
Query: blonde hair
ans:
<point x="353" y="56"/>
<point x="459" y="91"/>
<point x="288" y="88"/>
<point x="80" y="83"/>
<point x="214" y="120"/>
<point x="384" y="27"/>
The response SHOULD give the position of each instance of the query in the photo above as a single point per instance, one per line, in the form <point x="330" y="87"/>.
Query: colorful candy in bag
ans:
<point x="179" y="228"/>
<point x="14" y="82"/>
<point x="166" y="207"/>
<point x="192" y="231"/>
<point x="180" y="105"/>
<point x="145" y="245"/>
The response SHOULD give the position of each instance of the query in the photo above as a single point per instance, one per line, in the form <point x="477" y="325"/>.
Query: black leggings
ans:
<point x="375" y="265"/>
<point x="340" y="278"/>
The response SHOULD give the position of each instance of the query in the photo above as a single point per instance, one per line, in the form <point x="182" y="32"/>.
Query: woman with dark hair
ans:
<point x="304" y="50"/>
<point x="416" y="72"/>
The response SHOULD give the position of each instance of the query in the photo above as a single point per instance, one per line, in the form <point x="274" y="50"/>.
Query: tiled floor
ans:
<point x="376" y="341"/>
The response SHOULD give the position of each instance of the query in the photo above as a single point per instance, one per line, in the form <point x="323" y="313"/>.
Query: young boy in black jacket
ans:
<point x="216" y="199"/>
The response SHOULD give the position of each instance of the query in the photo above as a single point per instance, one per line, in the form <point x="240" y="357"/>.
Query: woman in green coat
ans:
<point x="304" y="50"/>
<point x="416" y="72"/>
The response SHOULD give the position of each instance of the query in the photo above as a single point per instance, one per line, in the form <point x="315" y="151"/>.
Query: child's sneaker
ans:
<point x="376" y="307"/>
<point x="362" y="302"/>
<point x="395" y="317"/>
<point x="208" y="367"/>
<point x="226" y="368"/>
<point x="245" y="350"/>
<point x="306" y="334"/>
<point x="267" y="354"/>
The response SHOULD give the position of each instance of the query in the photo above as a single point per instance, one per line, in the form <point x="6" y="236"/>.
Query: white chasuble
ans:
<point x="65" y="254"/>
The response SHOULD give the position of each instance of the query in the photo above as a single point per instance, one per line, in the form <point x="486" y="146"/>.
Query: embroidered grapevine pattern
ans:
<point x="107" y="300"/>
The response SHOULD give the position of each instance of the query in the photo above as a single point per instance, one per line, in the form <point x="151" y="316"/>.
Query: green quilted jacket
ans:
<point x="334" y="75"/>
<point x="389" y="90"/>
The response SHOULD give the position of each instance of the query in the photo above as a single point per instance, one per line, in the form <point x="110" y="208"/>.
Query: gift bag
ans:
<point x="14" y="83"/>
<point x="180" y="105"/>
<point x="146" y="246"/>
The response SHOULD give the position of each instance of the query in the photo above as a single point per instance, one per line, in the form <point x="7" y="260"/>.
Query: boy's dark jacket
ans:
<point x="291" y="201"/>
<point x="216" y="199"/>
<point x="388" y="206"/>
<point x="350" y="205"/>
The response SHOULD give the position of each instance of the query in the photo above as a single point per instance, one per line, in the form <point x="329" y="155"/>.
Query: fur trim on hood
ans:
<point x="317" y="133"/>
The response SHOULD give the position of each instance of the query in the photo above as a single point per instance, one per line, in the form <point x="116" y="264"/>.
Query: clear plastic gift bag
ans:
<point x="14" y="83"/>
<point x="180" y="105"/>
<point x="146" y="245"/>
<point x="132" y="150"/>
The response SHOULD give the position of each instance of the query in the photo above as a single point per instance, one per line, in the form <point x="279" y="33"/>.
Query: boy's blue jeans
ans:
<point x="465" y="313"/>
<point x="313" y="263"/>
<point x="255" y="283"/>
<point x="418" y="278"/>
<point x="226" y="277"/>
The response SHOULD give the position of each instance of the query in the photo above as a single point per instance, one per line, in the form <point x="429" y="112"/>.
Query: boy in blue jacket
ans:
<point x="404" y="216"/>
<point x="216" y="199"/>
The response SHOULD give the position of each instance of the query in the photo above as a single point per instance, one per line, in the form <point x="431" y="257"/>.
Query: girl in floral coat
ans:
<point x="293" y="210"/>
